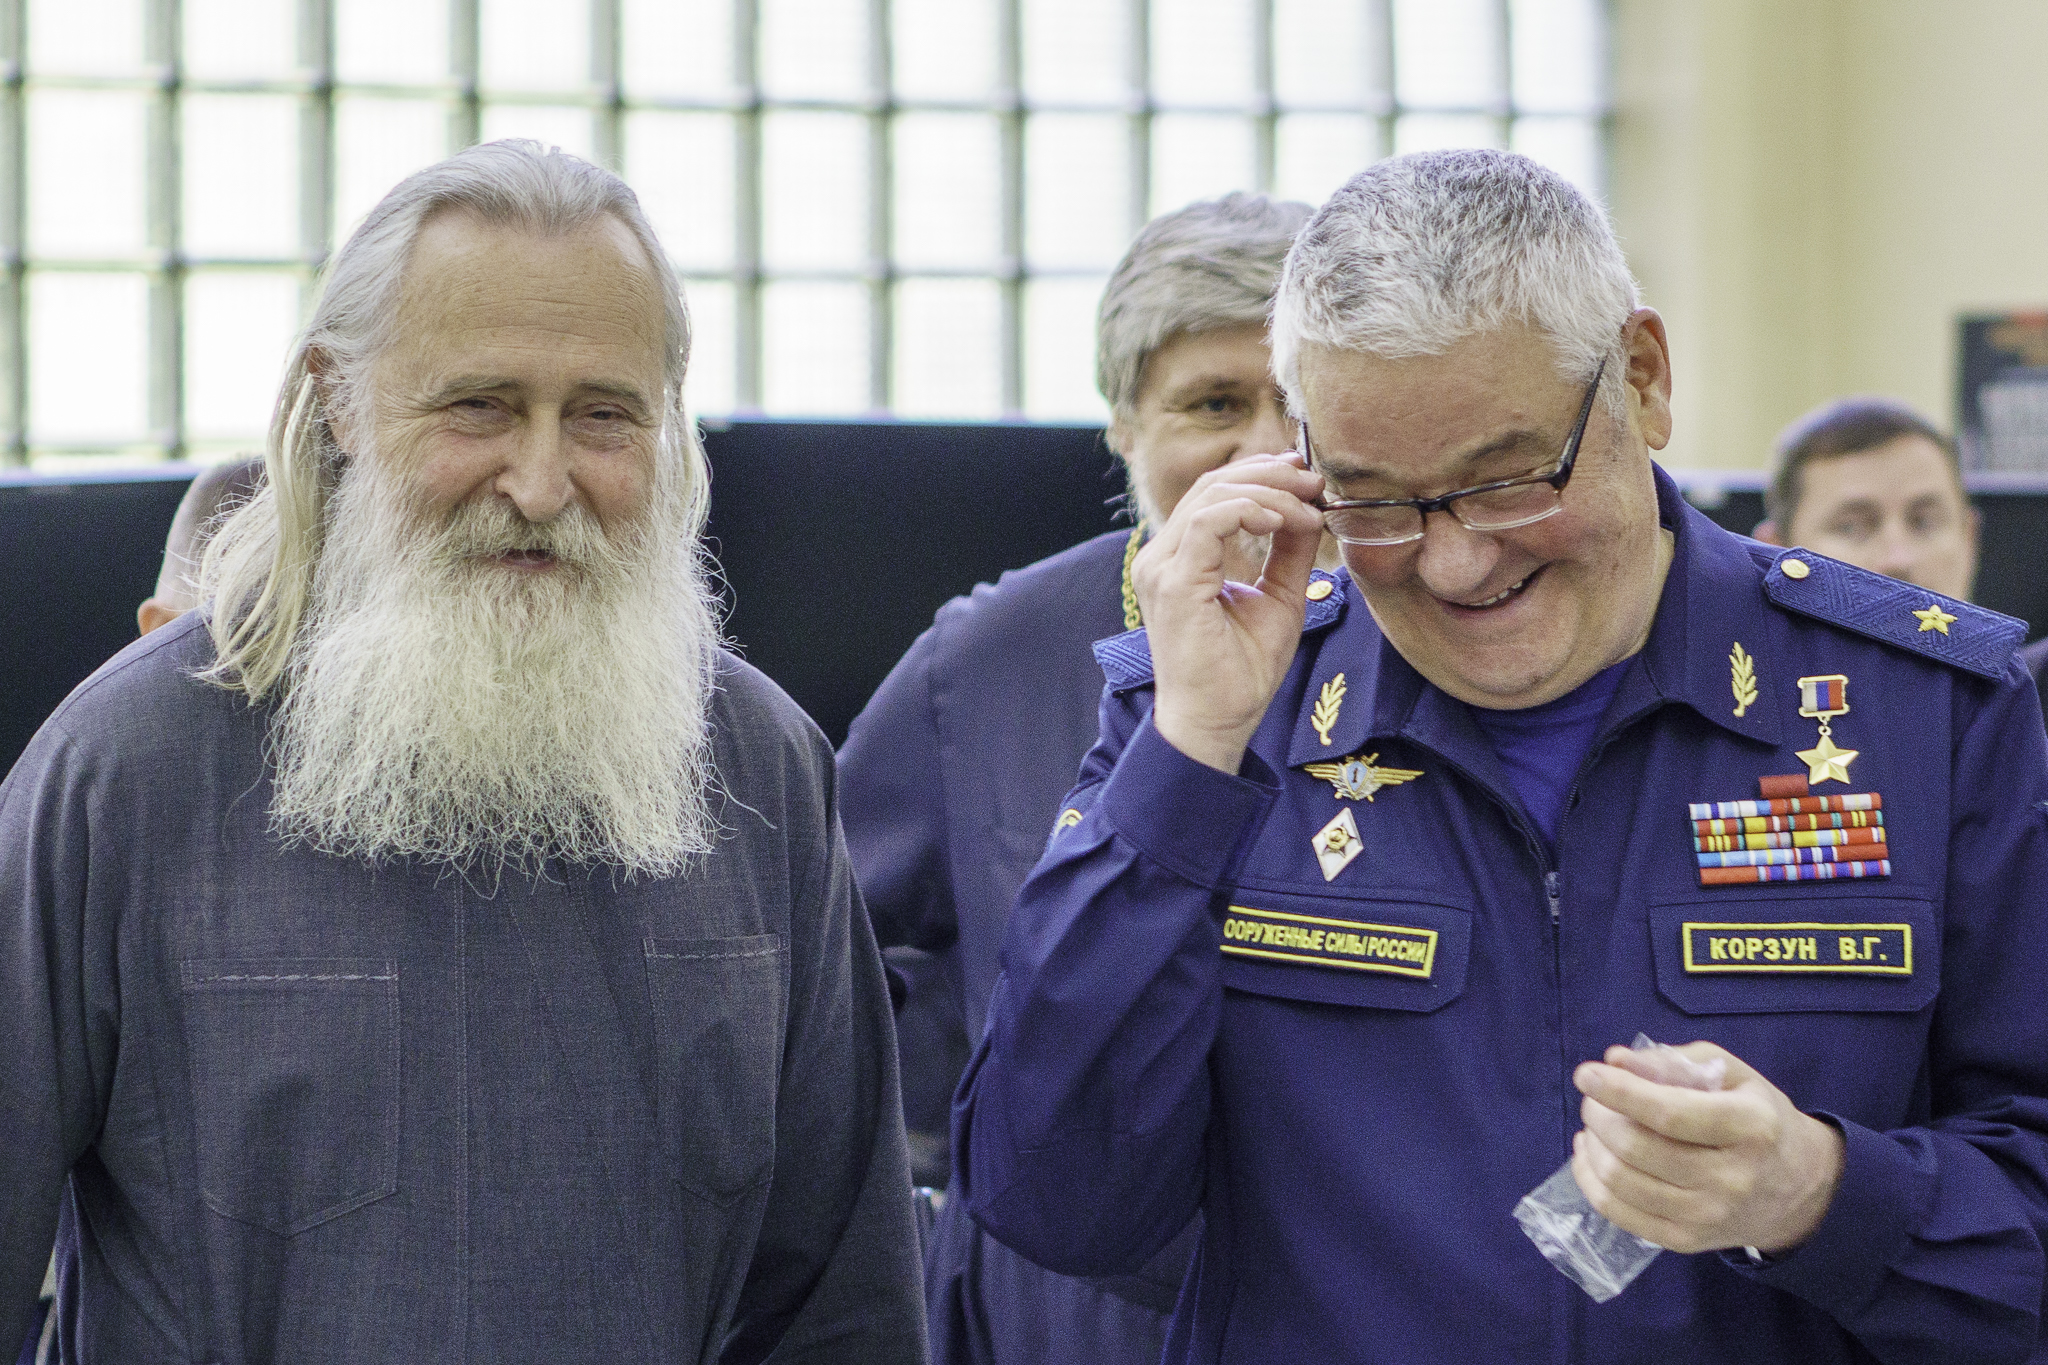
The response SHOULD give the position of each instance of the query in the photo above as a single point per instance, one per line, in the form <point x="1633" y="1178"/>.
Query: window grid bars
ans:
<point x="1010" y="225"/>
<point x="316" y="141"/>
<point x="1504" y="53"/>
<point x="881" y="216"/>
<point x="465" y="58"/>
<point x="167" y="266"/>
<point x="1138" y="27"/>
<point x="747" y="339"/>
<point x="1379" y="18"/>
<point x="1265" y="98"/>
<point x="13" y="235"/>
<point x="163" y="219"/>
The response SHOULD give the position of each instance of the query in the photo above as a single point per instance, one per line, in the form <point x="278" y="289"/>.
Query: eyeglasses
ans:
<point x="1501" y="505"/>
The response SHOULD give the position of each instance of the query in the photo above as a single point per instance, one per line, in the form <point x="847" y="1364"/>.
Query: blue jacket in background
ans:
<point x="1171" y="1031"/>
<point x="949" y="783"/>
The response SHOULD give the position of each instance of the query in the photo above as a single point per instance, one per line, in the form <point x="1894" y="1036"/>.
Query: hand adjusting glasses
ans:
<point x="1501" y="505"/>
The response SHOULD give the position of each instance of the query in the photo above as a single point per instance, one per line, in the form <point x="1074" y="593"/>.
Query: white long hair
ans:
<point x="426" y="708"/>
<point x="258" y="569"/>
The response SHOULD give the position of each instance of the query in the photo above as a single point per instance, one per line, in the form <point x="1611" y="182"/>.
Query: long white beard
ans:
<point x="443" y="707"/>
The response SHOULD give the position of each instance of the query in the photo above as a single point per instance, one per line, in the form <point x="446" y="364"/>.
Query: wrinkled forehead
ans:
<point x="1489" y="397"/>
<point x="465" y="275"/>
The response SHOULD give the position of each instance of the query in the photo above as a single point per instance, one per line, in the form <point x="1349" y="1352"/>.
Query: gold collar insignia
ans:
<point x="1328" y="702"/>
<point x="1742" y="678"/>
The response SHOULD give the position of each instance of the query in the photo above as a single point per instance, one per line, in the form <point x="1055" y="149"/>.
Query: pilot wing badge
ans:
<point x="1356" y="778"/>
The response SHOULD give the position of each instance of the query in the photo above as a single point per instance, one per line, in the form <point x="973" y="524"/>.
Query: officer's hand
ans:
<point x="1702" y="1170"/>
<point x="1220" y="649"/>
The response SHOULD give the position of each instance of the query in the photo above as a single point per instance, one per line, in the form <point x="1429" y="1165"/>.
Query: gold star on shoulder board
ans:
<point x="1356" y="778"/>
<point x="1934" y="618"/>
<point x="1826" y="763"/>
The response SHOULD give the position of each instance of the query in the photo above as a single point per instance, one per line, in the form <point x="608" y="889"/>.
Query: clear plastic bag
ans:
<point x="1598" y="1256"/>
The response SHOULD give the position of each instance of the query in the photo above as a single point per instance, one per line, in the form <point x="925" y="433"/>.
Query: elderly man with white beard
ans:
<point x="440" y="949"/>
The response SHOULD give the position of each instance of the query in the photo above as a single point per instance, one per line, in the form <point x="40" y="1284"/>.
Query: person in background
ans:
<point x="950" y="779"/>
<point x="1356" y="908"/>
<point x="443" y="948"/>
<point x="214" y="493"/>
<point x="1872" y="483"/>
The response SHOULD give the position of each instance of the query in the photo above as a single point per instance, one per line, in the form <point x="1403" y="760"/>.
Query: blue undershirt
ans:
<point x="1541" y="747"/>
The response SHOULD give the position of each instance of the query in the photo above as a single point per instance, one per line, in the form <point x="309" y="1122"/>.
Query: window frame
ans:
<point x="167" y="266"/>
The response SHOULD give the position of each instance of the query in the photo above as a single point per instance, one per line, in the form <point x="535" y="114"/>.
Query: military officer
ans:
<point x="1355" y="895"/>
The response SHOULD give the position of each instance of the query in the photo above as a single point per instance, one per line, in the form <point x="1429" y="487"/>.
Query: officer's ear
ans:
<point x="1767" y="531"/>
<point x="1649" y="375"/>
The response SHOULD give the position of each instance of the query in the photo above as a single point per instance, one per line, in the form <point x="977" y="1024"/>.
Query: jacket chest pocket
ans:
<point x="719" y="1008"/>
<point x="1814" y="954"/>
<point x="294" y="1072"/>
<point x="1393" y="952"/>
<point x="1831" y="997"/>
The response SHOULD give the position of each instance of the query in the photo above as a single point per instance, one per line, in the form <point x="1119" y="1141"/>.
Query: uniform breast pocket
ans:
<point x="1813" y="954"/>
<point x="1396" y="951"/>
<point x="719" y="1006"/>
<point x="295" y="1086"/>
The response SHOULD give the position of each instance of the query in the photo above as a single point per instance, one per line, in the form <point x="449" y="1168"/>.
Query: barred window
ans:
<point x="877" y="207"/>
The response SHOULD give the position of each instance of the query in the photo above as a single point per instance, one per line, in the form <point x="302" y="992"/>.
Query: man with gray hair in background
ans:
<point x="441" y="949"/>
<point x="1356" y="905"/>
<point x="952" y="774"/>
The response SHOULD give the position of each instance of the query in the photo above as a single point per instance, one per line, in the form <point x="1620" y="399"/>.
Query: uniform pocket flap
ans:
<point x="1393" y="951"/>
<point x="1834" y="953"/>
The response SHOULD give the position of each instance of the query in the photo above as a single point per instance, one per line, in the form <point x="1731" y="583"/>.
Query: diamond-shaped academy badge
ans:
<point x="1337" y="843"/>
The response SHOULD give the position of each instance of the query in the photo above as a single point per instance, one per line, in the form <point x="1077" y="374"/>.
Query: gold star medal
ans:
<point x="1336" y="844"/>
<point x="1356" y="778"/>
<point x="1822" y="698"/>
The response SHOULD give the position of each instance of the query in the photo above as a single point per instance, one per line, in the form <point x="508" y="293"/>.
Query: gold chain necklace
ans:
<point x="1132" y="619"/>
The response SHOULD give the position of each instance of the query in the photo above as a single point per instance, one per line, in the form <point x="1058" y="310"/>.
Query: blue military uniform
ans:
<point x="2035" y="658"/>
<point x="1356" y="1073"/>
<point x="949" y="780"/>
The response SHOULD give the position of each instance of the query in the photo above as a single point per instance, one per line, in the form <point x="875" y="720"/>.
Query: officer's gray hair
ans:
<point x="258" y="571"/>
<point x="1212" y="264"/>
<point x="1417" y="252"/>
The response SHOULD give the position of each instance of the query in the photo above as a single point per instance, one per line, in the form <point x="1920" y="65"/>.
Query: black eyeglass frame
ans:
<point x="1557" y="478"/>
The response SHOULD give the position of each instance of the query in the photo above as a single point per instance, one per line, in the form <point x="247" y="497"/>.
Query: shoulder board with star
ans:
<point x="1126" y="659"/>
<point x="1957" y="633"/>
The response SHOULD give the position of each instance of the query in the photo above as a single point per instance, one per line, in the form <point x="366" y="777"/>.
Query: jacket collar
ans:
<point x="1713" y="602"/>
<point x="1359" y="688"/>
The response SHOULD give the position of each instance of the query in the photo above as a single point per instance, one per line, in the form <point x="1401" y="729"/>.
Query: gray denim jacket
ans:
<point x="300" y="1110"/>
